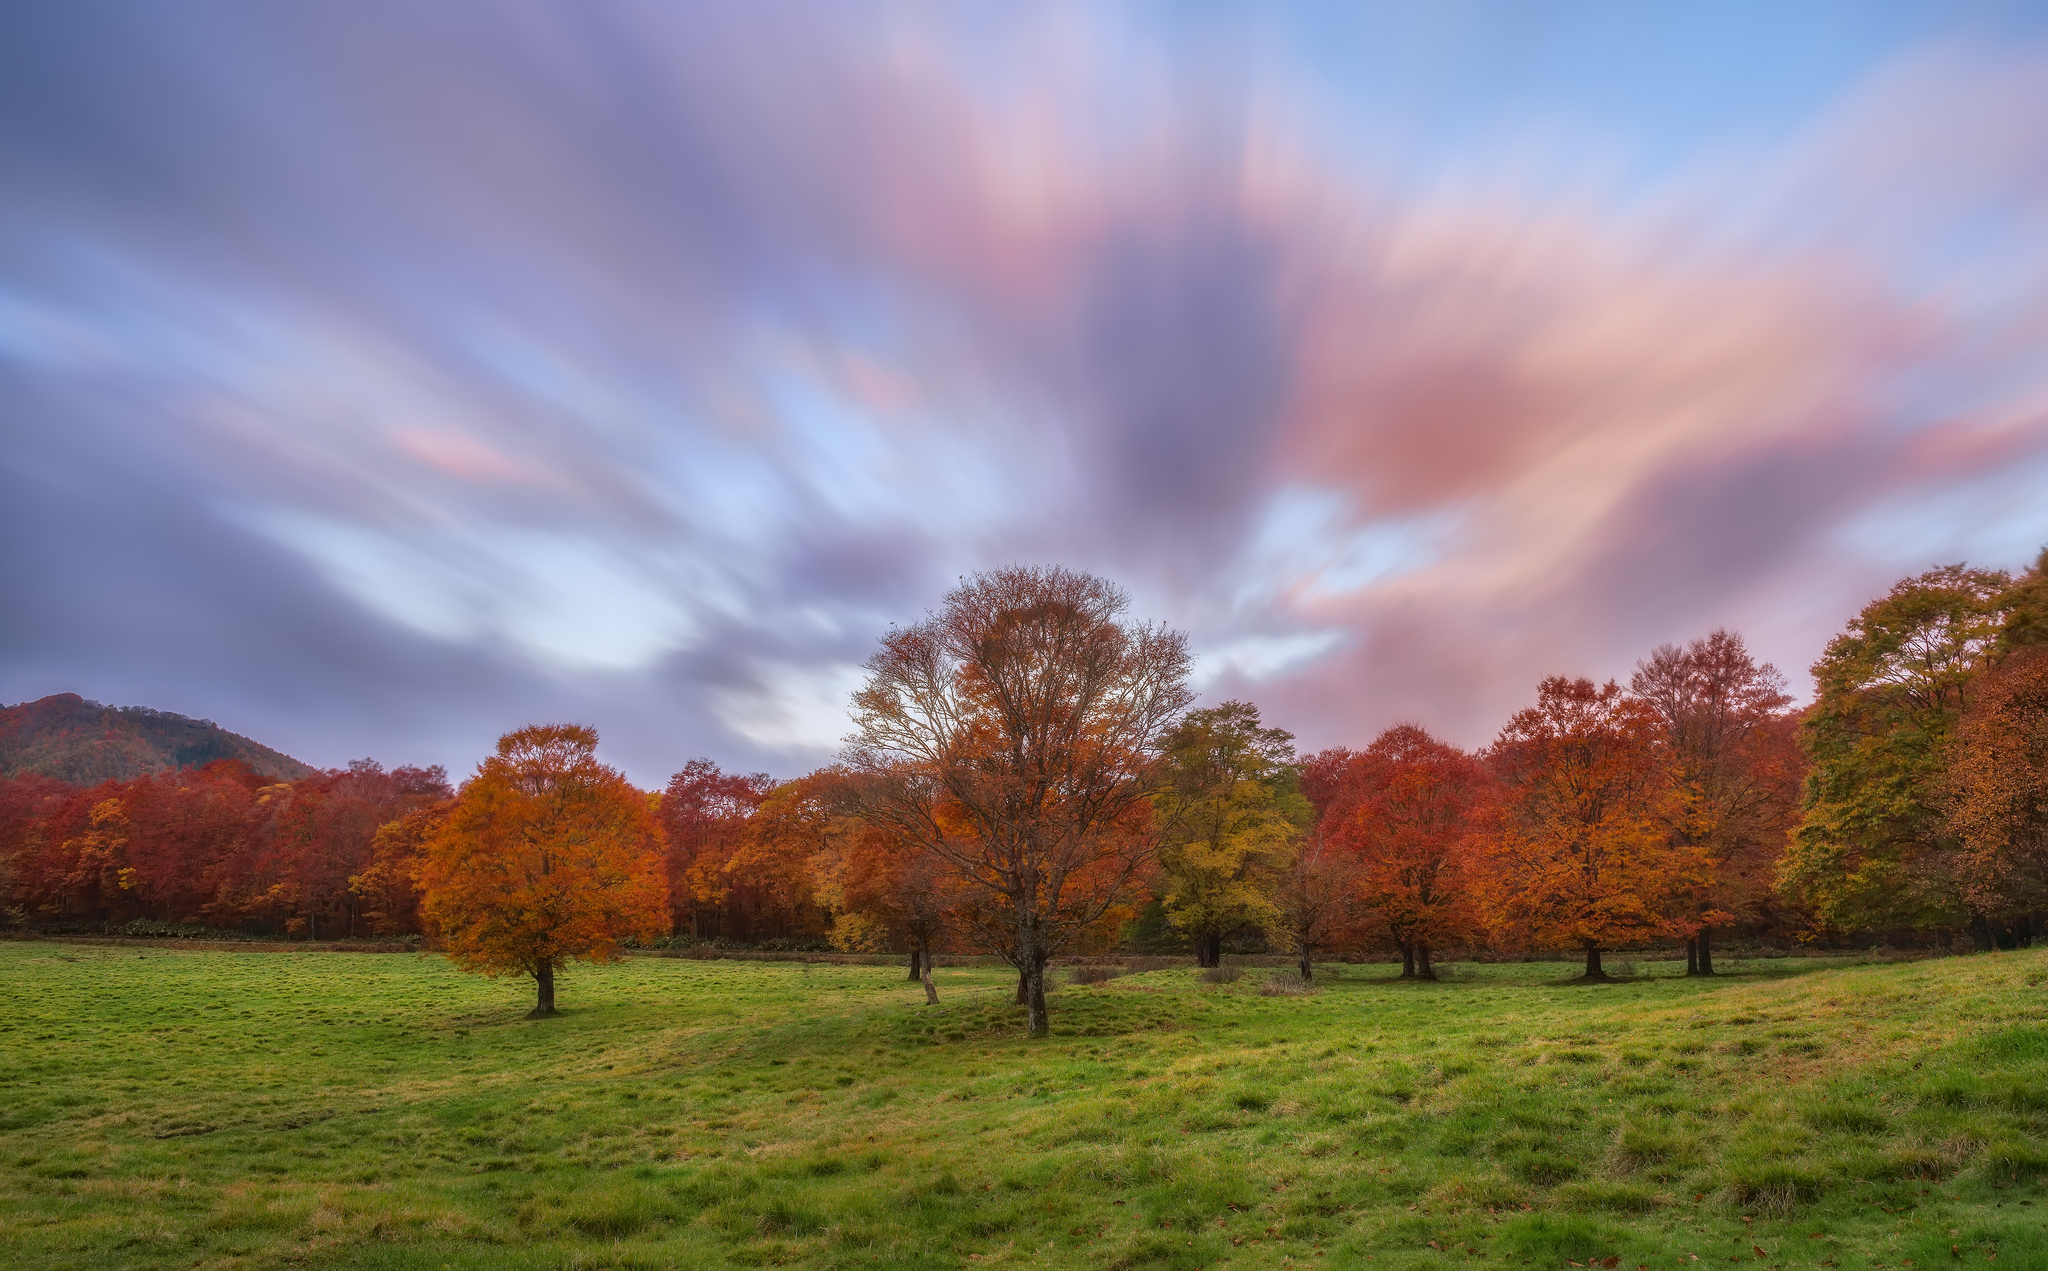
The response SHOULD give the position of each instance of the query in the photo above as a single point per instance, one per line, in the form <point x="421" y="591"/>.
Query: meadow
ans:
<point x="169" y="1108"/>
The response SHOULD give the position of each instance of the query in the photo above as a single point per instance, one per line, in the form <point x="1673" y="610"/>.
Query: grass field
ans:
<point x="161" y="1108"/>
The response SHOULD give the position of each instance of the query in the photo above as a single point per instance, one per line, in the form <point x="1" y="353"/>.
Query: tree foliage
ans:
<point x="1408" y="811"/>
<point x="1873" y="849"/>
<point x="1996" y="792"/>
<point x="1015" y="734"/>
<point x="1231" y="813"/>
<point x="1735" y="767"/>
<point x="1579" y="855"/>
<point x="547" y="856"/>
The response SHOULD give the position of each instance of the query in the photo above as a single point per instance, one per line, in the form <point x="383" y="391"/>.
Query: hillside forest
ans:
<point x="1692" y="804"/>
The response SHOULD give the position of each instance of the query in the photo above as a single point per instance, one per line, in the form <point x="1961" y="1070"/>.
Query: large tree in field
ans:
<point x="1408" y="811"/>
<point x="1015" y="735"/>
<point x="1580" y="857"/>
<point x="1736" y="765"/>
<point x="1232" y="813"/>
<point x="546" y="856"/>
<point x="1873" y="849"/>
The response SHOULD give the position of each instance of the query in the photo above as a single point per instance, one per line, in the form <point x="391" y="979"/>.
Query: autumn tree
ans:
<point x="1736" y="765"/>
<point x="1873" y="847"/>
<point x="889" y="892"/>
<point x="1407" y="811"/>
<point x="1579" y="853"/>
<point x="1231" y="812"/>
<point x="1014" y="734"/>
<point x="1995" y="797"/>
<point x="769" y="869"/>
<point x="387" y="889"/>
<point x="705" y="818"/>
<point x="1315" y="901"/>
<point x="546" y="856"/>
<point x="323" y="833"/>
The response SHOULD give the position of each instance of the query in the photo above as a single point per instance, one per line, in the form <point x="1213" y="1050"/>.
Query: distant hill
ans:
<point x="69" y="738"/>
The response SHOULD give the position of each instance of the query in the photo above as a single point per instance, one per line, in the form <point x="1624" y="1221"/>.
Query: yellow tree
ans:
<point x="1230" y="815"/>
<point x="547" y="856"/>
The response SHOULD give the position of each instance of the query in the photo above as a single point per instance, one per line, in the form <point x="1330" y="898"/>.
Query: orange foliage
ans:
<point x="1579" y="852"/>
<point x="1997" y="793"/>
<point x="546" y="856"/>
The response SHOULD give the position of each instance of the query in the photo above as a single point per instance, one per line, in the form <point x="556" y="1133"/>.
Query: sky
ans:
<point x="377" y="376"/>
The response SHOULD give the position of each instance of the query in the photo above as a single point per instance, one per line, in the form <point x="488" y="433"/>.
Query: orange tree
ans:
<point x="546" y="856"/>
<point x="1015" y="736"/>
<point x="1579" y="853"/>
<point x="884" y="892"/>
<point x="1997" y="802"/>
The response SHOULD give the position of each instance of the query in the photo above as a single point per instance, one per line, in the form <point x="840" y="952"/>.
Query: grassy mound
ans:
<point x="181" y="1108"/>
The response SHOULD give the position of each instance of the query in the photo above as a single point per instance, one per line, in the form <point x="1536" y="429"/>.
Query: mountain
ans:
<point x="69" y="738"/>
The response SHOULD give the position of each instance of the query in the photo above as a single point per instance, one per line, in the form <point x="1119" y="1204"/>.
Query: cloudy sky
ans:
<point x="375" y="377"/>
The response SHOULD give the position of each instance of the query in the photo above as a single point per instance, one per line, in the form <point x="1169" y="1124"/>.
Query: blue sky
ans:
<point x="377" y="377"/>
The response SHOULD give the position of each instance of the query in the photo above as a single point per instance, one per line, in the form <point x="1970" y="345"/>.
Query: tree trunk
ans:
<point x="1980" y="933"/>
<point x="544" y="977"/>
<point x="1692" y="955"/>
<point x="1706" y="955"/>
<point x="1209" y="949"/>
<point x="1424" y="968"/>
<point x="1023" y="987"/>
<point x="1308" y="966"/>
<point x="1407" y="961"/>
<point x="924" y="958"/>
<point x="1593" y="971"/>
<point x="915" y="954"/>
<point x="1035" y="978"/>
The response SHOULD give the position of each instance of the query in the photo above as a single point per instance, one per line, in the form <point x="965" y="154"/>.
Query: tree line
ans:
<point x="1027" y="778"/>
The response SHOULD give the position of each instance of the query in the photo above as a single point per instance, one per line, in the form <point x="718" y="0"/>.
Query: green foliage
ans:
<point x="1889" y="693"/>
<point x="166" y="1107"/>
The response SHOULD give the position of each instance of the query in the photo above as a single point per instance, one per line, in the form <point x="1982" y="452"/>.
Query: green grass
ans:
<point x="163" y="1108"/>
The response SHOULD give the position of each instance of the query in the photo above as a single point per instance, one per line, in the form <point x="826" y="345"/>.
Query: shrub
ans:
<point x="1285" y="986"/>
<point x="1093" y="974"/>
<point x="1222" y="975"/>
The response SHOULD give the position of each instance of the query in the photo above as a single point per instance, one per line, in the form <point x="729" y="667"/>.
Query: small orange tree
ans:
<point x="546" y="856"/>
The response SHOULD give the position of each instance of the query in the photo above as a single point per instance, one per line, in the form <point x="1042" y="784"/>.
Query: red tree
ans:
<point x="704" y="818"/>
<point x="1406" y="811"/>
<point x="1737" y="767"/>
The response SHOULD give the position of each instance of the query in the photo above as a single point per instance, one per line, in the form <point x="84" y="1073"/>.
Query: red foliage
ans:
<point x="1406" y="811"/>
<point x="214" y="845"/>
<point x="706" y="816"/>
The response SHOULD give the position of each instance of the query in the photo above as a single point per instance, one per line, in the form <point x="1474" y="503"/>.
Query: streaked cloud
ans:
<point x="384" y="377"/>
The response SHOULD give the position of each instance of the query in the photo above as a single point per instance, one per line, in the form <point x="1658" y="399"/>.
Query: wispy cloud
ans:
<point x="382" y="379"/>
